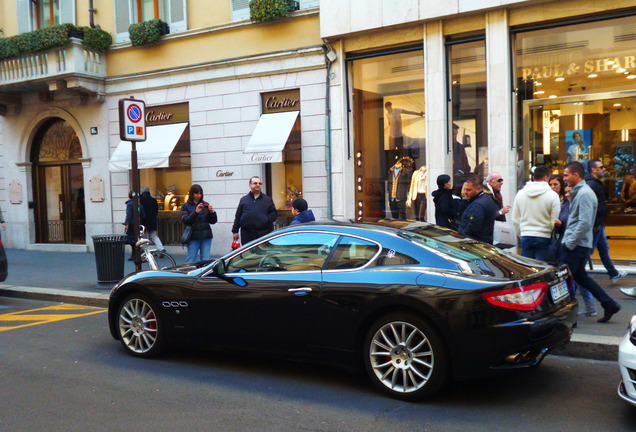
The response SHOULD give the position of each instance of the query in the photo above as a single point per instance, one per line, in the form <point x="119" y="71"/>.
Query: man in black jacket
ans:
<point x="596" y="171"/>
<point x="150" y="220"/>
<point x="478" y="220"/>
<point x="255" y="215"/>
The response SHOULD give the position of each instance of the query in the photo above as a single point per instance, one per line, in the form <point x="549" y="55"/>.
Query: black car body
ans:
<point x="412" y="302"/>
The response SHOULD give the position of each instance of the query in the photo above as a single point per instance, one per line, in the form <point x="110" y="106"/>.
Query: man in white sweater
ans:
<point x="534" y="211"/>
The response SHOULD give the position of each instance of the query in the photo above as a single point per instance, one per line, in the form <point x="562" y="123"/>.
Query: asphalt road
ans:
<point x="70" y="375"/>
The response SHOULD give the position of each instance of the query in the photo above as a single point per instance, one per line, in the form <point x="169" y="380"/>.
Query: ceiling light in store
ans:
<point x="621" y="70"/>
<point x="631" y="76"/>
<point x="617" y="104"/>
<point x="455" y="82"/>
<point x="592" y="75"/>
<point x="553" y="96"/>
<point x="539" y="92"/>
<point x="538" y="83"/>
<point x="560" y="79"/>
<point x="610" y="62"/>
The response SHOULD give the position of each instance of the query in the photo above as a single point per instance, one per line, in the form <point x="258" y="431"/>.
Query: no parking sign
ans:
<point x="132" y="120"/>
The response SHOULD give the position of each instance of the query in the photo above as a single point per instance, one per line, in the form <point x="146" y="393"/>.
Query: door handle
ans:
<point x="300" y="291"/>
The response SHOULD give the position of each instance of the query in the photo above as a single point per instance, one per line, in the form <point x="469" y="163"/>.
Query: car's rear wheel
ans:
<point x="140" y="327"/>
<point x="405" y="357"/>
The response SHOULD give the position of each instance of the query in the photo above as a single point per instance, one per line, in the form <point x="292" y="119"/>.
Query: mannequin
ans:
<point x="417" y="194"/>
<point x="399" y="180"/>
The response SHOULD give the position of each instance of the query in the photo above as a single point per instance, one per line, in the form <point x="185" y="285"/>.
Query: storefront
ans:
<point x="577" y="102"/>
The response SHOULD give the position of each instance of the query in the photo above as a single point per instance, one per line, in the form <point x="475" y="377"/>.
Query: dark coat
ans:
<point x="478" y="220"/>
<point x="200" y="222"/>
<point x="601" y="209"/>
<point x="445" y="208"/>
<point x="151" y="209"/>
<point x="302" y="217"/>
<point x="131" y="232"/>
<point x="255" y="215"/>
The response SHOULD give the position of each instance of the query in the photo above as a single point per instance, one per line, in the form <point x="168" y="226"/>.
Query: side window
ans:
<point x="38" y="14"/>
<point x="128" y="12"/>
<point x="351" y="253"/>
<point x="240" y="10"/>
<point x="291" y="252"/>
<point x="390" y="257"/>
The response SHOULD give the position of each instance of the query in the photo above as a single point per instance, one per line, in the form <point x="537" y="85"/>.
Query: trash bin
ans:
<point x="109" y="258"/>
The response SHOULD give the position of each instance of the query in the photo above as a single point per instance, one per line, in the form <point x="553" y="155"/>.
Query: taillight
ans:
<point x="524" y="298"/>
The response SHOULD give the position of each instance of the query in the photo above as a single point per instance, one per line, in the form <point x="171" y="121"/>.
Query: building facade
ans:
<point x="226" y="99"/>
<point x="472" y="87"/>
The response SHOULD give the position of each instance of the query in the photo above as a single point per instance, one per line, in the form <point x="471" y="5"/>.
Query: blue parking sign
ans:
<point x="130" y="130"/>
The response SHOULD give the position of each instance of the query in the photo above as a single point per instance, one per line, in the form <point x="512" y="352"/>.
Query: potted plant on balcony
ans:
<point x="269" y="10"/>
<point x="52" y="37"/>
<point x="147" y="32"/>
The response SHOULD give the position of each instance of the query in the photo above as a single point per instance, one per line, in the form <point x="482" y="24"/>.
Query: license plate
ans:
<point x="559" y="291"/>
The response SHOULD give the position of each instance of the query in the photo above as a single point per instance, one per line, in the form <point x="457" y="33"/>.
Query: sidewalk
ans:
<point x="71" y="277"/>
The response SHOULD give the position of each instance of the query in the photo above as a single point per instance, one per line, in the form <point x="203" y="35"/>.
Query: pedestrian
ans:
<point x="255" y="215"/>
<point x="445" y="208"/>
<point x="478" y="220"/>
<point x="198" y="214"/>
<point x="578" y="237"/>
<point x="301" y="212"/>
<point x="129" y="224"/>
<point x="492" y="187"/>
<point x="558" y="185"/>
<point x="596" y="171"/>
<point x="4" y="226"/>
<point x="151" y="209"/>
<point x="534" y="211"/>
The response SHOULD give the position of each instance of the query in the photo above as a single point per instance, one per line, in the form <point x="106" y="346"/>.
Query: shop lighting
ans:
<point x="592" y="75"/>
<point x="539" y="92"/>
<point x="538" y="83"/>
<point x="560" y="79"/>
<point x="617" y="104"/>
<point x="625" y="134"/>
<point x="631" y="76"/>
<point x="621" y="70"/>
<point x="553" y="96"/>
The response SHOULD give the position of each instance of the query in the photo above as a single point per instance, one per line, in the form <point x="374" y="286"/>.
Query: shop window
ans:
<point x="128" y="12"/>
<point x="389" y="135"/>
<point x="469" y="142"/>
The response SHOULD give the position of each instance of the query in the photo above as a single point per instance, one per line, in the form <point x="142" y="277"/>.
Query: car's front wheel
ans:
<point x="405" y="357"/>
<point x="140" y="327"/>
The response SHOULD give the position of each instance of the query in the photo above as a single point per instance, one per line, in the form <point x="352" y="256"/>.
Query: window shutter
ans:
<point x="240" y="10"/>
<point x="178" y="17"/>
<point x="122" y="20"/>
<point x="24" y="16"/>
<point x="67" y="11"/>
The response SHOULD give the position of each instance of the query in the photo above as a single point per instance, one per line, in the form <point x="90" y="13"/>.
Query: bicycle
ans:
<point x="153" y="259"/>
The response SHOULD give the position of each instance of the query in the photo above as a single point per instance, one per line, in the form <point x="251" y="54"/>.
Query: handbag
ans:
<point x="554" y="249"/>
<point x="187" y="233"/>
<point x="503" y="235"/>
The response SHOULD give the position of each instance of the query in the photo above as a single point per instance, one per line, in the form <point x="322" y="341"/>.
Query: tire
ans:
<point x="405" y="357"/>
<point x="140" y="327"/>
<point x="163" y="260"/>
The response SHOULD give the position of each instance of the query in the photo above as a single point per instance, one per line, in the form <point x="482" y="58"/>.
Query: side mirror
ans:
<point x="219" y="268"/>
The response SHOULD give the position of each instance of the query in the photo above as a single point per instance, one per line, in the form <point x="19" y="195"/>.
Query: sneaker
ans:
<point x="588" y="313"/>
<point x="621" y="273"/>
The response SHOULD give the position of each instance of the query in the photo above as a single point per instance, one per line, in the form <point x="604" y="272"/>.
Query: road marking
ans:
<point x="45" y="315"/>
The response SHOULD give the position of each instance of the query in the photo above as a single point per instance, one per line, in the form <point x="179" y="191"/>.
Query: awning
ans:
<point x="268" y="139"/>
<point x="154" y="152"/>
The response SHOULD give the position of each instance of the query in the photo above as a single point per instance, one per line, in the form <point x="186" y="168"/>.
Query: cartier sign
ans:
<point x="585" y="67"/>
<point x="167" y="114"/>
<point x="221" y="173"/>
<point x="280" y="101"/>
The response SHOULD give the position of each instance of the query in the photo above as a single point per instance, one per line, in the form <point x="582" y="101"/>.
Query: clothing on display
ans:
<point x="417" y="193"/>
<point x="399" y="182"/>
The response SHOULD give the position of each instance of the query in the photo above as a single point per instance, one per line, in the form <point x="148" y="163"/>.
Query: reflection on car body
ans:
<point x="412" y="303"/>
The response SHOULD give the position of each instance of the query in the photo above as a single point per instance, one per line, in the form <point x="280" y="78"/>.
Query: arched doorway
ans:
<point x="58" y="183"/>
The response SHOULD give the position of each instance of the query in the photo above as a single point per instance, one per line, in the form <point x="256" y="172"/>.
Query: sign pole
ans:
<point x="136" y="189"/>
<point x="132" y="127"/>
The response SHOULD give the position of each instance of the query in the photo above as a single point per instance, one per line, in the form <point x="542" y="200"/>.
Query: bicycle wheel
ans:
<point x="163" y="260"/>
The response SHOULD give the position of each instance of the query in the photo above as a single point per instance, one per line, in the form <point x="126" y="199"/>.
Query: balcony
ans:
<point x="72" y="69"/>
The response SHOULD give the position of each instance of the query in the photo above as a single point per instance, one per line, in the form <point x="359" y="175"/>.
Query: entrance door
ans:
<point x="60" y="209"/>
<point x="58" y="185"/>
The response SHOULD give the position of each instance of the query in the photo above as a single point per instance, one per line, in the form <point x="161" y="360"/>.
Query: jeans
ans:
<point x="200" y="245"/>
<point x="600" y="243"/>
<point x="535" y="247"/>
<point x="576" y="260"/>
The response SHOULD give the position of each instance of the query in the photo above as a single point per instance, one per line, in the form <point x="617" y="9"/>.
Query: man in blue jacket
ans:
<point x="255" y="215"/>
<point x="478" y="220"/>
<point x="301" y="213"/>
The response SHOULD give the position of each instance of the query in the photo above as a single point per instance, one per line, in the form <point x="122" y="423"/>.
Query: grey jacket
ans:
<point x="583" y="204"/>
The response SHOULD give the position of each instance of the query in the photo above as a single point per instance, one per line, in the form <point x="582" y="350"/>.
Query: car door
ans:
<point x="266" y="299"/>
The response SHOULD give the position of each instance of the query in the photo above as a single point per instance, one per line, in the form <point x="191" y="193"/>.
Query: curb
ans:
<point x="580" y="345"/>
